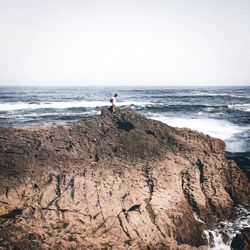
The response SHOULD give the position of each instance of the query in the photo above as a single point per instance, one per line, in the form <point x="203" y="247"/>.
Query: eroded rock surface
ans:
<point x="119" y="181"/>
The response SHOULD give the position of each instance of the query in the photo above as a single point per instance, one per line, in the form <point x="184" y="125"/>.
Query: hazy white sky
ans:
<point x="161" y="42"/>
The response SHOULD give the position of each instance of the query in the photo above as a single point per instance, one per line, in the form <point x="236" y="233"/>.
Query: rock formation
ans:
<point x="241" y="241"/>
<point x="118" y="181"/>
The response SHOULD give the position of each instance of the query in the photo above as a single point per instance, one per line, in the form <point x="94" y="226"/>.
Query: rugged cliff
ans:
<point x="118" y="181"/>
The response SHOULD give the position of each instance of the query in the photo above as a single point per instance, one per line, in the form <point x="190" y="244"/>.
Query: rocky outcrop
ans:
<point x="242" y="240"/>
<point x="119" y="181"/>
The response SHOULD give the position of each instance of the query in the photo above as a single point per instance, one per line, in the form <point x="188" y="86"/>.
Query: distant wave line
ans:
<point x="64" y="105"/>
<point x="11" y="106"/>
<point x="241" y="107"/>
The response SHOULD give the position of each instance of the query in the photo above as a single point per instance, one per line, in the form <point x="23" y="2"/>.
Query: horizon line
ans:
<point x="123" y="85"/>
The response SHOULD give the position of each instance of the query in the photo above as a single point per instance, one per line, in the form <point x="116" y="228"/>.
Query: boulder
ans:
<point x="118" y="181"/>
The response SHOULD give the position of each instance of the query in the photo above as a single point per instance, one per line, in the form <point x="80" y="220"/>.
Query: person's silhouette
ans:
<point x="113" y="101"/>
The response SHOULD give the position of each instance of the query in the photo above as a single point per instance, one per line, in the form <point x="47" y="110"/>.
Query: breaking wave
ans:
<point x="221" y="129"/>
<point x="10" y="106"/>
<point x="242" y="107"/>
<point x="212" y="127"/>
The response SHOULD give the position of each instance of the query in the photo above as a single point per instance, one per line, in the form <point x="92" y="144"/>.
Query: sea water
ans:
<point x="222" y="112"/>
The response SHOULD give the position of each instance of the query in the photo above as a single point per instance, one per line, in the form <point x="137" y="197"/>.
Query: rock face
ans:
<point x="118" y="181"/>
<point x="241" y="241"/>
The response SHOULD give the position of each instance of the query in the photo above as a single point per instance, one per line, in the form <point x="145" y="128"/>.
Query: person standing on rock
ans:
<point x="113" y="101"/>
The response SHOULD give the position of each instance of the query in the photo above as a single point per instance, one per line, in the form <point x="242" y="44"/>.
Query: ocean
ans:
<point x="222" y="112"/>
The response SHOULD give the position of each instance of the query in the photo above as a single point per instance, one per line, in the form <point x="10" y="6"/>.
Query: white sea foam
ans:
<point x="221" y="129"/>
<point x="83" y="114"/>
<point x="210" y="109"/>
<point x="229" y="228"/>
<point x="215" y="240"/>
<point x="202" y="94"/>
<point x="236" y="145"/>
<point x="64" y="105"/>
<point x="216" y="128"/>
<point x="242" y="107"/>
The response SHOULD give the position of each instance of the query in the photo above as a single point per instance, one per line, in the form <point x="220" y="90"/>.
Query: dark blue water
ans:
<point x="221" y="112"/>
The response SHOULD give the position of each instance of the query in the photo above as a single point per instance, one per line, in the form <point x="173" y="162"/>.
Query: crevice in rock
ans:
<point x="99" y="204"/>
<point x="60" y="180"/>
<point x="23" y="194"/>
<point x="214" y="189"/>
<point x="147" y="171"/>
<point x="231" y="192"/>
<point x="97" y="158"/>
<point x="151" y="132"/>
<point x="152" y="218"/>
<point x="125" y="125"/>
<point x="36" y="187"/>
<point x="52" y="201"/>
<point x="123" y="228"/>
<point x="7" y="189"/>
<point x="124" y="196"/>
<point x="201" y="169"/>
<point x="135" y="207"/>
<point x="230" y="189"/>
<point x="12" y="214"/>
<point x="3" y="202"/>
<point x="186" y="188"/>
<point x="50" y="179"/>
<point x="213" y="207"/>
<point x="63" y="179"/>
<point x="57" y="204"/>
<point x="85" y="196"/>
<point x="161" y="246"/>
<point x="137" y="233"/>
<point x="72" y="187"/>
<point x="58" y="184"/>
<point x="95" y="216"/>
<point x="101" y="225"/>
<point x="66" y="211"/>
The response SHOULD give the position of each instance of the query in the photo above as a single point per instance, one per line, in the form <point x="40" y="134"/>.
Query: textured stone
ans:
<point x="118" y="181"/>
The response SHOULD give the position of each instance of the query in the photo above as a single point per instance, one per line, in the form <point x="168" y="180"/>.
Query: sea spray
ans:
<point x="221" y="237"/>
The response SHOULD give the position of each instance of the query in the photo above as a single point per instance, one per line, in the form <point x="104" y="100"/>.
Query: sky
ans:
<point x="129" y="42"/>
